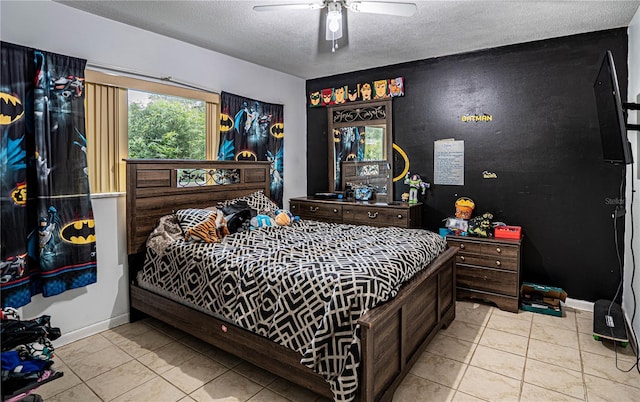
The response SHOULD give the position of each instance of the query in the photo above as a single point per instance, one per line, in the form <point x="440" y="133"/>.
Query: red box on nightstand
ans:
<point x="507" y="232"/>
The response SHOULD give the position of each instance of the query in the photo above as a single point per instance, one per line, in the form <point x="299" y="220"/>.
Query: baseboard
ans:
<point x="579" y="304"/>
<point x="93" y="329"/>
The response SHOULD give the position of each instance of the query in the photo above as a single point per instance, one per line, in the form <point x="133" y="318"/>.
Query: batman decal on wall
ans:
<point x="81" y="231"/>
<point x="11" y="109"/>
<point x="226" y="122"/>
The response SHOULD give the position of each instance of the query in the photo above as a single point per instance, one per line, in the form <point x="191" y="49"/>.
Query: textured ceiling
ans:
<point x="293" y="41"/>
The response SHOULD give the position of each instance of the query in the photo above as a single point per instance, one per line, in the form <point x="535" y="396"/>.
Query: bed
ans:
<point x="390" y="336"/>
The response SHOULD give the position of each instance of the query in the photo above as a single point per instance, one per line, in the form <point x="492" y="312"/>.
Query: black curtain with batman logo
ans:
<point x="253" y="130"/>
<point x="47" y="233"/>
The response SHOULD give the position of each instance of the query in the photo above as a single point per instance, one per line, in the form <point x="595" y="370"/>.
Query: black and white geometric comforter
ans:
<point x="303" y="286"/>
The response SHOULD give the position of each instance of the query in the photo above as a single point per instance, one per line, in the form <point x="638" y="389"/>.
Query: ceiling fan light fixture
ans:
<point x="334" y="23"/>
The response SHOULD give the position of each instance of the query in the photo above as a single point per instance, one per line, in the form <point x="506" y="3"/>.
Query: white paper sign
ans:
<point x="448" y="162"/>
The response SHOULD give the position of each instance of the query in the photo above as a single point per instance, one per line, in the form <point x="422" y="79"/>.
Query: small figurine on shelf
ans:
<point x="415" y="183"/>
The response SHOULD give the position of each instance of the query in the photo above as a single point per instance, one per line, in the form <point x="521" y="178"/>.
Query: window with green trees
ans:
<point x="166" y="127"/>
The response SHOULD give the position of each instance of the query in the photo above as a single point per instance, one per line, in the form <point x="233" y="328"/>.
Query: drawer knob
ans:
<point x="372" y="215"/>
<point x="400" y="216"/>
<point x="462" y="246"/>
<point x="335" y="210"/>
<point x="498" y="263"/>
<point x="498" y="250"/>
<point x="484" y="277"/>
<point x="313" y="209"/>
<point x="462" y="258"/>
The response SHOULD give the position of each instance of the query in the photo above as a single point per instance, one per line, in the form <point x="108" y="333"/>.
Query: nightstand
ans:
<point x="488" y="269"/>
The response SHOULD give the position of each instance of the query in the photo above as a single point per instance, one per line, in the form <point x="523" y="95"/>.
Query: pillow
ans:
<point x="258" y="201"/>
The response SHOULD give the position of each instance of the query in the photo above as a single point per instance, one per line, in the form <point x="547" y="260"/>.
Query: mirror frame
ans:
<point x="378" y="112"/>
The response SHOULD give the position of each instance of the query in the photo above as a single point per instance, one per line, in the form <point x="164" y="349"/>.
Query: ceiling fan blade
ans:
<point x="383" y="7"/>
<point x="288" y="6"/>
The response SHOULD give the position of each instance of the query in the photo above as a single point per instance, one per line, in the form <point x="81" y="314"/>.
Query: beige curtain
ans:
<point x="107" y="133"/>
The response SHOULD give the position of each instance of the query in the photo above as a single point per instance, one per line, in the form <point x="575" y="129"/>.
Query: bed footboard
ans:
<point x="398" y="331"/>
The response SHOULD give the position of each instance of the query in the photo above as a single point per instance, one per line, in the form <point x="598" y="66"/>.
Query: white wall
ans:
<point x="632" y="179"/>
<point x="57" y="28"/>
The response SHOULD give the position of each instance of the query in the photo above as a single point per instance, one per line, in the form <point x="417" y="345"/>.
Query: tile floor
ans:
<point x="486" y="354"/>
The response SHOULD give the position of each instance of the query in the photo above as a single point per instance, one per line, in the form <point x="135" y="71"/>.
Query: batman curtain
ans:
<point x="47" y="233"/>
<point x="253" y="130"/>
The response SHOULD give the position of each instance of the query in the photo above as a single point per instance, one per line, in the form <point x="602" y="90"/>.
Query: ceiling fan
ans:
<point x="334" y="12"/>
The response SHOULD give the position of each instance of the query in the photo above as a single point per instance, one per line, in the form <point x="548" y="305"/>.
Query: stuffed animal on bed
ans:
<point x="261" y="220"/>
<point x="285" y="218"/>
<point x="210" y="231"/>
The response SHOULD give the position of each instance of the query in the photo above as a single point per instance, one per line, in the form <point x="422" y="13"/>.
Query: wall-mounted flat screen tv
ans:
<point x="611" y="114"/>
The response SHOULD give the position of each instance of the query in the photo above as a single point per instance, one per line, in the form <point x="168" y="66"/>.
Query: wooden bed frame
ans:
<point x="393" y="335"/>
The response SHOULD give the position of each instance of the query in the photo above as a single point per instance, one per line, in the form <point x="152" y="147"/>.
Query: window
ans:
<point x="165" y="127"/>
<point x="134" y="118"/>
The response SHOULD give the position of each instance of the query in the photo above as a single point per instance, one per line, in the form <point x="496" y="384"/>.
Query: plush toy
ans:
<point x="260" y="221"/>
<point x="481" y="225"/>
<point x="210" y="231"/>
<point x="285" y="218"/>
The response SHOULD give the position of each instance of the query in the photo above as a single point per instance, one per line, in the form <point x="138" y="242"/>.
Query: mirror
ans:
<point x="360" y="147"/>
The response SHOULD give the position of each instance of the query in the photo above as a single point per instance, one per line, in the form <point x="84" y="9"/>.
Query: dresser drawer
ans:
<point x="317" y="211"/>
<point x="492" y="280"/>
<point x="493" y="249"/>
<point x="375" y="216"/>
<point x="487" y="261"/>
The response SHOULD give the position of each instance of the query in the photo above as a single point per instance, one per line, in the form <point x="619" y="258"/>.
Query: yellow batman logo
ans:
<point x="226" y="122"/>
<point x="81" y="231"/>
<point x="277" y="130"/>
<point x="246" y="156"/>
<point x="10" y="109"/>
<point x="19" y="194"/>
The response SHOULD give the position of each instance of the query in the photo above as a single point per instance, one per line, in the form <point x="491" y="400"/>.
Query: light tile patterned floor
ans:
<point x="486" y="354"/>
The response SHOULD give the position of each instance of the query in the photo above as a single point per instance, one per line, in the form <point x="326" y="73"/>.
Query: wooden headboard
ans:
<point x="157" y="187"/>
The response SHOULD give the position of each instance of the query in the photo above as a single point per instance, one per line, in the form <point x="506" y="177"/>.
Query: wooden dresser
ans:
<point x="358" y="212"/>
<point x="488" y="269"/>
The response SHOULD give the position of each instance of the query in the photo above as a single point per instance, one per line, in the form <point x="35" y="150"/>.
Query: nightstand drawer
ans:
<point x="492" y="280"/>
<point x="363" y="215"/>
<point x="487" y="261"/>
<point x="317" y="211"/>
<point x="494" y="249"/>
<point x="500" y="250"/>
<point x="465" y="246"/>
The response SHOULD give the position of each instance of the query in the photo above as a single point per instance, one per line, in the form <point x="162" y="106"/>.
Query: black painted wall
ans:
<point x="543" y="144"/>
